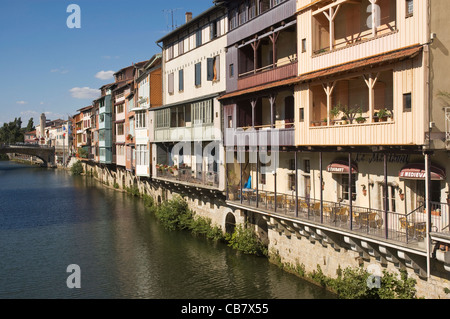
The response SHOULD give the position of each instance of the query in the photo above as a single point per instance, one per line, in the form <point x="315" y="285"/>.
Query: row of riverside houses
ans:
<point x="327" y="113"/>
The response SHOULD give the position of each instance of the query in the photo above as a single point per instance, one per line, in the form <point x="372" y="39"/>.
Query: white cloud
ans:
<point x="105" y="75"/>
<point x="84" y="93"/>
<point x="109" y="57"/>
<point x="29" y="113"/>
<point x="60" y="70"/>
<point x="21" y="102"/>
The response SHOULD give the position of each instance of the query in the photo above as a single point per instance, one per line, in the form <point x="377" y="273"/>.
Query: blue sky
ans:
<point x="49" y="68"/>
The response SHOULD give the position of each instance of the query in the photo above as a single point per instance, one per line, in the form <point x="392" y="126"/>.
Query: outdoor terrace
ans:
<point x="405" y="229"/>
<point x="186" y="175"/>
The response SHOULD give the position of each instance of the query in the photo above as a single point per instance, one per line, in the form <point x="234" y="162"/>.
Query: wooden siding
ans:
<point x="260" y="23"/>
<point x="409" y="31"/>
<point x="277" y="74"/>
<point x="267" y="137"/>
<point x="407" y="128"/>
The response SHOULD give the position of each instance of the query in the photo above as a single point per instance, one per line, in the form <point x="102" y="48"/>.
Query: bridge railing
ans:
<point x="3" y="145"/>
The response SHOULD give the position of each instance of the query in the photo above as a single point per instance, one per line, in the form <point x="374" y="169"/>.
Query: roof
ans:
<point x="85" y="108"/>
<point x="191" y="22"/>
<point x="388" y="57"/>
<point x="132" y="66"/>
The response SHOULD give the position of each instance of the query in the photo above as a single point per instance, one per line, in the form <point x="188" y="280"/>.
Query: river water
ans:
<point x="50" y="220"/>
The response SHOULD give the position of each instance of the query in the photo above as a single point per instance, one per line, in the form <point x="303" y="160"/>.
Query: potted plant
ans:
<point x="334" y="112"/>
<point x="324" y="121"/>
<point x="360" y="119"/>
<point x="383" y="114"/>
<point x="344" y="120"/>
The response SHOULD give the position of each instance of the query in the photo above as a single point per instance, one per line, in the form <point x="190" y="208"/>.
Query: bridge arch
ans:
<point x="46" y="154"/>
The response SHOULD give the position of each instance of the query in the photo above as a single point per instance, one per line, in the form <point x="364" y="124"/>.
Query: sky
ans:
<point x="47" y="67"/>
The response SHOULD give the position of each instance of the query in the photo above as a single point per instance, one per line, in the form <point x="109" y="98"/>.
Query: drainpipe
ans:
<point x="296" y="183"/>
<point x="428" y="209"/>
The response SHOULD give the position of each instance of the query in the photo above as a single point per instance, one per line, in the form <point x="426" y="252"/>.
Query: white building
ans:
<point x="188" y="126"/>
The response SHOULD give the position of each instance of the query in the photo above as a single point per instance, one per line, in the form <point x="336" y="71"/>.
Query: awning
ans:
<point x="341" y="167"/>
<point x="417" y="171"/>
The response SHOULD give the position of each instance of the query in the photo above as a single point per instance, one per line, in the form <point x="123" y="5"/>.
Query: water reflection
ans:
<point x="51" y="219"/>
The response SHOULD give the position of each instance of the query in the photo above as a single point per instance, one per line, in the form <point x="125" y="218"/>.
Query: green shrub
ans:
<point x="174" y="214"/>
<point x="77" y="168"/>
<point x="245" y="240"/>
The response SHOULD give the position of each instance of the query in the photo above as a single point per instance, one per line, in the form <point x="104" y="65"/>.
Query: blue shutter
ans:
<point x="198" y="74"/>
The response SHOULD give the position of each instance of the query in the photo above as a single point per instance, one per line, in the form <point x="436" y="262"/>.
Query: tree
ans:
<point x="30" y="125"/>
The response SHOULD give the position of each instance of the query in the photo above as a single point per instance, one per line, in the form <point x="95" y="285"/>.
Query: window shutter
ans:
<point x="181" y="80"/>
<point x="217" y="68"/>
<point x="170" y="84"/>
<point x="198" y="74"/>
<point x="210" y="69"/>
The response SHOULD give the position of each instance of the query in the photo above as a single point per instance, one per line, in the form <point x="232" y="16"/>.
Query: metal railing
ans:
<point x="400" y="227"/>
<point x="187" y="175"/>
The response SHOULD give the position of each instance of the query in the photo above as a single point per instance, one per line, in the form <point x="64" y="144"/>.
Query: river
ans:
<point x="50" y="220"/>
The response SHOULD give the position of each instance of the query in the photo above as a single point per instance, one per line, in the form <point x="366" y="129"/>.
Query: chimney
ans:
<point x="188" y="16"/>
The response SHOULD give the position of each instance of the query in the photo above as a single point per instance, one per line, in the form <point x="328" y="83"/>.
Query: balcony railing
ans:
<point x="267" y="74"/>
<point x="187" y="175"/>
<point x="404" y="228"/>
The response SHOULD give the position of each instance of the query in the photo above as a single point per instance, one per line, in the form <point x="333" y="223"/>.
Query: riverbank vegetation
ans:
<point x="175" y="214"/>
<point x="77" y="169"/>
<point x="356" y="282"/>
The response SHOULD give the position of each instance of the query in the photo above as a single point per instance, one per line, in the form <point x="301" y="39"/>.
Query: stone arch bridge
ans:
<point x="45" y="153"/>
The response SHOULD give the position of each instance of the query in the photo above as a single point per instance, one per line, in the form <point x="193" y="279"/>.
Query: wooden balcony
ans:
<point x="267" y="74"/>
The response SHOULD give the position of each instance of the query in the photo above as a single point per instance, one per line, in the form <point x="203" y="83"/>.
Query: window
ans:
<point x="213" y="67"/>
<point x="119" y="109"/>
<point x="198" y="38"/>
<point x="233" y="19"/>
<point x="170" y="52"/>
<point x="181" y="80"/>
<point x="252" y="9"/>
<point x="242" y="14"/>
<point x="141" y="120"/>
<point x="202" y="112"/>
<point x="291" y="182"/>
<point x="301" y="114"/>
<point x="276" y="2"/>
<point x="262" y="178"/>
<point x="230" y="121"/>
<point x="120" y="129"/>
<point x="409" y="8"/>
<point x="345" y="186"/>
<point x="198" y="74"/>
<point x="306" y="166"/>
<point x="231" y="70"/>
<point x="181" y="47"/>
<point x="213" y="30"/>
<point x="170" y="83"/>
<point x="162" y="118"/>
<point x="141" y="155"/>
<point x="264" y="5"/>
<point x="303" y="45"/>
<point x="407" y="106"/>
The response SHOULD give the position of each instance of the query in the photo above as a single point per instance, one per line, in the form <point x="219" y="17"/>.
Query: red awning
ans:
<point x="341" y="167"/>
<point x="417" y="171"/>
